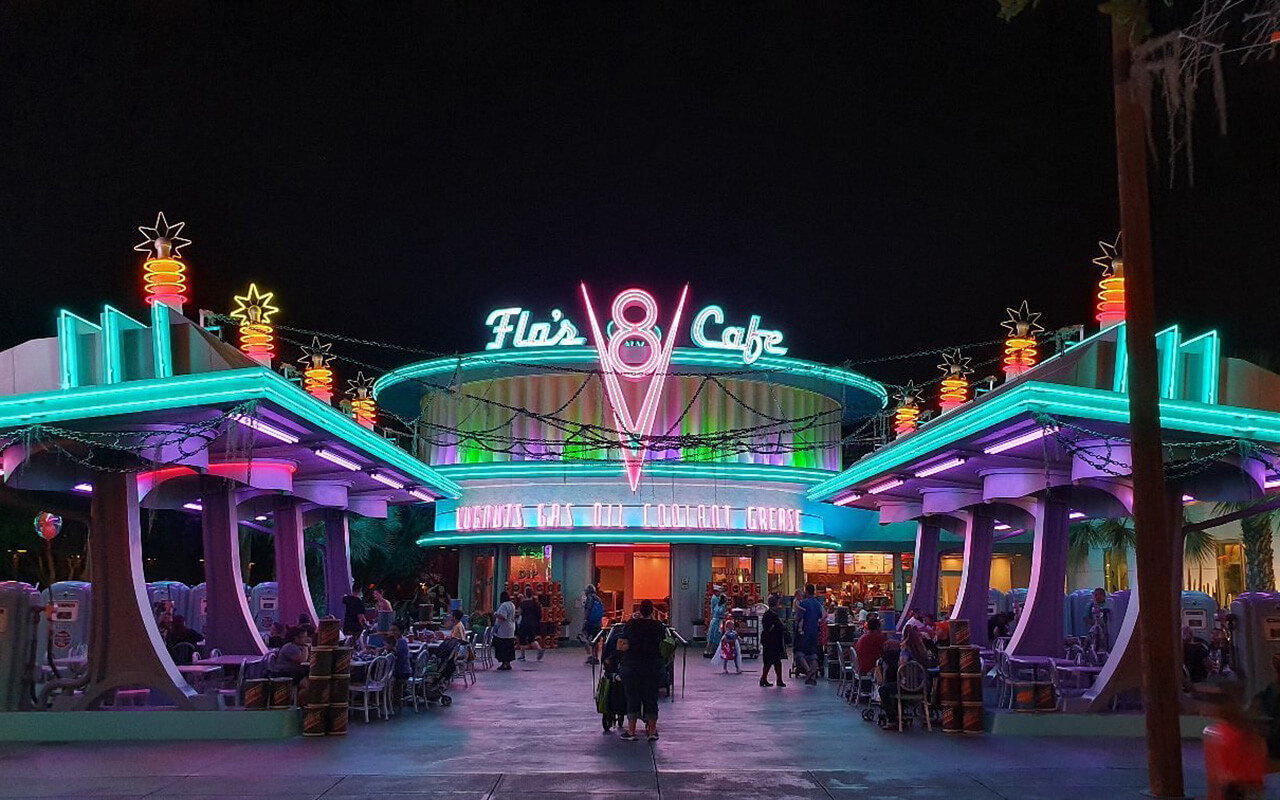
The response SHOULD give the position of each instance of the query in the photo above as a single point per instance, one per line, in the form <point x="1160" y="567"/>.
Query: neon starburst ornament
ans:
<point x="164" y="276"/>
<point x="906" y="417"/>
<point x="363" y="407"/>
<point x="955" y="379"/>
<point x="1111" y="287"/>
<point x="317" y="375"/>
<point x="254" y="311"/>
<point x="1020" y="351"/>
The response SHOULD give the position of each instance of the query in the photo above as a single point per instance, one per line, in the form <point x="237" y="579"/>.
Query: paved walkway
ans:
<point x="532" y="733"/>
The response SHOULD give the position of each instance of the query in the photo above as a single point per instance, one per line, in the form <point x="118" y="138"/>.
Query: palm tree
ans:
<point x="1256" y="539"/>
<point x="1117" y="534"/>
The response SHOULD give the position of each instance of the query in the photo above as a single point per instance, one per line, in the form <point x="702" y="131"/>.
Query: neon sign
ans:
<point x="655" y="516"/>
<point x="752" y="341"/>
<point x="526" y="334"/>
<point x="634" y="429"/>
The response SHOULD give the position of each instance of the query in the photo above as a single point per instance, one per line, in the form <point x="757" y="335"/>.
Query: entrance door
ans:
<point x="625" y="574"/>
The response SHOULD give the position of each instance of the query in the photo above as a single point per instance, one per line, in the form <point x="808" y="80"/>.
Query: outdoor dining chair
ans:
<point x="912" y="680"/>
<point x="371" y="695"/>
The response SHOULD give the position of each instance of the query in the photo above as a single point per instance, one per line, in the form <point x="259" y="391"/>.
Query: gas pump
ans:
<point x="1198" y="612"/>
<point x="176" y="593"/>
<point x="1119" y="602"/>
<point x="1256" y="638"/>
<point x="1075" y="610"/>
<point x="1016" y="598"/>
<point x="20" y="604"/>
<point x="264" y="602"/>
<point x="66" y="627"/>
<point x="997" y="603"/>
<point x="198" y="601"/>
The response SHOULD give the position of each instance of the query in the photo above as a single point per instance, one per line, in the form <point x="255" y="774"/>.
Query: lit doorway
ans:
<point x="625" y="574"/>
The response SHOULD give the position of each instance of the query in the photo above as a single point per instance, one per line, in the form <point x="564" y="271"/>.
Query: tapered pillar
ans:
<point x="924" y="572"/>
<point x="229" y="624"/>
<point x="337" y="560"/>
<point x="975" y="579"/>
<point x="291" y="566"/>
<point x="1040" y="631"/>
<point x="125" y="648"/>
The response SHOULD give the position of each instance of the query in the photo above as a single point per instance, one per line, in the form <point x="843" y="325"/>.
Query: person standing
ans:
<point x="592" y="618"/>
<point x="530" y="623"/>
<point x="718" y="607"/>
<point x="773" y="642"/>
<point x="385" y="613"/>
<point x="641" y="669"/>
<point x="807" y="643"/>
<point x="354" y="620"/>
<point x="504" y="632"/>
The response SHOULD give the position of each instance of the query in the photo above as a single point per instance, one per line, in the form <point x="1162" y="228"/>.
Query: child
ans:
<point x="730" y="649"/>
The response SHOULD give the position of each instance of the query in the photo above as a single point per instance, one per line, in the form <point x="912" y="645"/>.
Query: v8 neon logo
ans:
<point x="634" y="428"/>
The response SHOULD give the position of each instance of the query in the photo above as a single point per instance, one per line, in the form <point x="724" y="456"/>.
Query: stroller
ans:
<point x="440" y="672"/>
<point x="611" y="697"/>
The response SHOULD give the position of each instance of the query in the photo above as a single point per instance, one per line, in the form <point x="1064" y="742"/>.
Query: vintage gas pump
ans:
<point x="264" y="602"/>
<point x="20" y="607"/>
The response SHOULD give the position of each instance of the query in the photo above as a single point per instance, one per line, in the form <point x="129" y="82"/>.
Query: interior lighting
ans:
<point x="422" y="495"/>
<point x="1111" y="287"/>
<point x="386" y="480"/>
<point x="852" y="497"/>
<point x="164" y="278"/>
<point x="266" y="428"/>
<point x="1019" y="440"/>
<point x="86" y="488"/>
<point x="1020" y="352"/>
<point x="260" y="518"/>
<point x="1270" y="483"/>
<point x="941" y="466"/>
<point x="956" y="370"/>
<point x="254" y="311"/>
<point x="1002" y="526"/>
<point x="193" y="506"/>
<point x="1077" y="515"/>
<point x="892" y="483"/>
<point x="337" y="458"/>
<point x="1186" y="498"/>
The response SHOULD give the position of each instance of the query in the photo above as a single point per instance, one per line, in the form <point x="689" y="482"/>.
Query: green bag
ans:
<point x="602" y="695"/>
<point x="667" y="647"/>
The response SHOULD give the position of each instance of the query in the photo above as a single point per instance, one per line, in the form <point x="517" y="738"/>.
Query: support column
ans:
<point x="975" y="579"/>
<point x="125" y="648"/>
<point x="229" y="625"/>
<point x="337" y="560"/>
<point x="1040" y="631"/>
<point x="291" y="565"/>
<point x="924" y="572"/>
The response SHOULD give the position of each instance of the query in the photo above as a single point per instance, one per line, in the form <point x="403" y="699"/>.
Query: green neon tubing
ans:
<point x="69" y="326"/>
<point x="522" y="535"/>
<point x="1054" y="399"/>
<point x="674" y="469"/>
<point x="215" y="388"/>
<point x="114" y="322"/>
<point x="1170" y="338"/>
<point x="1209" y="347"/>
<point x="682" y="356"/>
<point x="161" y="340"/>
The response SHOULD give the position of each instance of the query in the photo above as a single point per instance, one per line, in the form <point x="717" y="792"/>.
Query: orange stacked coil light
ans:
<point x="955" y="379"/>
<point x="164" y="276"/>
<point x="1020" y="350"/>
<point x="1111" y="287"/>
<point x="257" y="336"/>
<point x="317" y="375"/>
<point x="363" y="407"/>
<point x="905" y="419"/>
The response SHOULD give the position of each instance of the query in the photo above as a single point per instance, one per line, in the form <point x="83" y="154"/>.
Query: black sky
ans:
<point x="873" y="178"/>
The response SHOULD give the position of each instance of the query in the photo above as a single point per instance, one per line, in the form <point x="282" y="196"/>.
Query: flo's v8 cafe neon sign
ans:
<point x="514" y="328"/>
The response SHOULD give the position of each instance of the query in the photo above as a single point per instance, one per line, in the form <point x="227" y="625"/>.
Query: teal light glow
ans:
<point x="1167" y="342"/>
<point x="114" y="324"/>
<point x="1057" y="400"/>
<point x="227" y="387"/>
<point x="1207" y="349"/>
<point x="1120" y="377"/>
<point x="70" y="329"/>
<point x="517" y="536"/>
<point x="161" y="340"/>
<point x="607" y="469"/>
<point x="682" y="356"/>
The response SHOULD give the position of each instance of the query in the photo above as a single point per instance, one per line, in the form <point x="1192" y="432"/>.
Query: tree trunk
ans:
<point x="1259" y="564"/>
<point x="1156" y="632"/>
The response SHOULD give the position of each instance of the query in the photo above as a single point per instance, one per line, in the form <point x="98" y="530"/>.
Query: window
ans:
<point x="530" y="564"/>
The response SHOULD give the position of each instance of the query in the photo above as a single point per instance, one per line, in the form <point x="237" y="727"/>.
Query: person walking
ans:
<point x="593" y="617"/>
<point x="807" y="642"/>
<point x="718" y="608"/>
<point x="641" y="669"/>
<point x="504" y="632"/>
<point x="530" y="623"/>
<point x="773" y="642"/>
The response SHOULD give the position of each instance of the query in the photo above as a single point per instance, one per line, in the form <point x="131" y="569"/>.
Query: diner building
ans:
<point x="736" y="432"/>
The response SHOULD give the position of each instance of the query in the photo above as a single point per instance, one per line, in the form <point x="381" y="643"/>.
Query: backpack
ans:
<point x="595" y="613"/>
<point x="667" y="647"/>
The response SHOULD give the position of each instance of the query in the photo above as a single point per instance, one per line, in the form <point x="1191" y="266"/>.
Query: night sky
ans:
<point x="872" y="178"/>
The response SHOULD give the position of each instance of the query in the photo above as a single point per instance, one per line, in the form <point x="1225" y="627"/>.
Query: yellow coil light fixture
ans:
<point x="955" y="379"/>
<point x="363" y="407"/>
<point x="254" y="311"/>
<point x="1020" y="351"/>
<point x="906" y="417"/>
<point x="317" y="375"/>
<point x="164" y="275"/>
<point x="1111" y="287"/>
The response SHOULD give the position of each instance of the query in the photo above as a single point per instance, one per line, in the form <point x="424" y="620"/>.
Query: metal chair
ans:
<point x="415" y="687"/>
<point x="484" y="648"/>
<point x="912" y="682"/>
<point x="371" y="695"/>
<point x="464" y="666"/>
<point x="1061" y="688"/>
<point x="845" y="669"/>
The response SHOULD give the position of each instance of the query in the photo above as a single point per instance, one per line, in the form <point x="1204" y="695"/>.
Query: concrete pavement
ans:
<point x="533" y="732"/>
